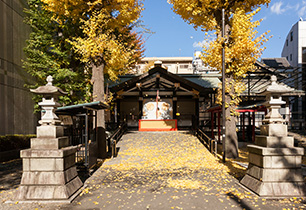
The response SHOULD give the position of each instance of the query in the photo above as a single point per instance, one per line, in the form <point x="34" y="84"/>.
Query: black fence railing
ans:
<point x="211" y="144"/>
<point x="114" y="139"/>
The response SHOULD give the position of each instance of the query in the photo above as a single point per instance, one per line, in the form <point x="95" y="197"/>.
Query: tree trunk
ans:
<point x="98" y="95"/>
<point x="231" y="139"/>
<point x="231" y="150"/>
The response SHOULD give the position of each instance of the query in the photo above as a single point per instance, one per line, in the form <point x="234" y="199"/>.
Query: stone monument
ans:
<point x="49" y="171"/>
<point x="274" y="163"/>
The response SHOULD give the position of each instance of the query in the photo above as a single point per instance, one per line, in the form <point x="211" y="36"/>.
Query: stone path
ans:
<point x="168" y="170"/>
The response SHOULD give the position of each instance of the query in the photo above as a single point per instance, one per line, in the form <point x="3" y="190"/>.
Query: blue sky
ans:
<point x="174" y="37"/>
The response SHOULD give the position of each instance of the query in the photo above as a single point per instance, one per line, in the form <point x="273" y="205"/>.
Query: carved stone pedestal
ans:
<point x="49" y="171"/>
<point x="275" y="171"/>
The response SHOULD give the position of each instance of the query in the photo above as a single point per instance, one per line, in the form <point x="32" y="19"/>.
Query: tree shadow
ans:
<point x="10" y="174"/>
<point x="234" y="169"/>
<point x="240" y="202"/>
<point x="294" y="166"/>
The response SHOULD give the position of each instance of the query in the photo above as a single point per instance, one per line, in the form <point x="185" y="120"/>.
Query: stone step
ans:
<point x="274" y="141"/>
<point x="275" y="175"/>
<point x="274" y="189"/>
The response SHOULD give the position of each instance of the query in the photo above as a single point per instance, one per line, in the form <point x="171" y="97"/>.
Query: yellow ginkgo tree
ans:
<point x="242" y="48"/>
<point x="108" y="44"/>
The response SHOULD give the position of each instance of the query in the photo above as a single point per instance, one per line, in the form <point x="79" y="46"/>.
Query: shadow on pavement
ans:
<point x="240" y="202"/>
<point x="234" y="169"/>
<point x="10" y="174"/>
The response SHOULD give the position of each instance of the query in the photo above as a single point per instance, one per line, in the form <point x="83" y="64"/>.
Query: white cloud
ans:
<point x="297" y="6"/>
<point x="302" y="11"/>
<point x="277" y="8"/>
<point x="199" y="44"/>
<point x="209" y="37"/>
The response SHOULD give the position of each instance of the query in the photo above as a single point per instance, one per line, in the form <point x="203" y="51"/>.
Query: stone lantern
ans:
<point x="273" y="124"/>
<point x="49" y="102"/>
<point x="49" y="171"/>
<point x="50" y="123"/>
<point x="274" y="163"/>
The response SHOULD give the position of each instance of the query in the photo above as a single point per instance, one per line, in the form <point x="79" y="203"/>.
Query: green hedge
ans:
<point x="12" y="142"/>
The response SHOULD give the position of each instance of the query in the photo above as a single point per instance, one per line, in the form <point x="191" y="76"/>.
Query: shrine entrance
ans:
<point x="161" y="101"/>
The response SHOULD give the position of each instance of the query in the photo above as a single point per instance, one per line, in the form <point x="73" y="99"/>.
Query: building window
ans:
<point x="184" y="66"/>
<point x="291" y="36"/>
<point x="304" y="55"/>
<point x="287" y="58"/>
<point x="290" y="57"/>
<point x="287" y="42"/>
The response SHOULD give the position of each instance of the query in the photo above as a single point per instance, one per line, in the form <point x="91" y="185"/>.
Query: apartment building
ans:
<point x="175" y="65"/>
<point x="294" y="50"/>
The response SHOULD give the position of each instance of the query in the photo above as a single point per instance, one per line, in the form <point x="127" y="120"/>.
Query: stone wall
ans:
<point x="16" y="106"/>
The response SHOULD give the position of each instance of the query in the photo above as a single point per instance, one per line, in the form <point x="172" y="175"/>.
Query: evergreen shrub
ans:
<point x="13" y="142"/>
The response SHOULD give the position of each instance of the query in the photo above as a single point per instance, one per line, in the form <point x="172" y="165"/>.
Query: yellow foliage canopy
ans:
<point x="106" y="28"/>
<point x="206" y="14"/>
<point x="242" y="47"/>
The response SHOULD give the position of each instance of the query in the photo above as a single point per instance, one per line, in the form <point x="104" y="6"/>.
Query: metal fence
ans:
<point x="211" y="144"/>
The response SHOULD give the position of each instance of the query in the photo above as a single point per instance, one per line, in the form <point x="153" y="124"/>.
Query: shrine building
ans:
<point x="159" y="100"/>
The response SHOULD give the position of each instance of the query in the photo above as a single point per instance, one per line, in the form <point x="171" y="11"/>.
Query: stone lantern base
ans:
<point x="49" y="171"/>
<point x="275" y="167"/>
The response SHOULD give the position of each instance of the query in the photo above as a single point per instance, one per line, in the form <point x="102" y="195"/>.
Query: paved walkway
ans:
<point x="160" y="171"/>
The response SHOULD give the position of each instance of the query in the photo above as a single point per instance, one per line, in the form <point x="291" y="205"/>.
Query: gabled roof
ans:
<point x="277" y="63"/>
<point x="203" y="83"/>
<point x="263" y="69"/>
<point x="81" y="108"/>
<point x="190" y="83"/>
<point x="204" y="80"/>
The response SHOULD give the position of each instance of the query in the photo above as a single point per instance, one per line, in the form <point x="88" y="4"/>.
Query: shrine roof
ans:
<point x="197" y="81"/>
<point x="204" y="80"/>
<point x="81" y="108"/>
<point x="257" y="80"/>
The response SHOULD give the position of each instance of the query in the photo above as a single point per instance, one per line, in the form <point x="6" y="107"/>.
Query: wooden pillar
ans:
<point x="140" y="104"/>
<point x="243" y="126"/>
<point x="174" y="98"/>
<point x="196" y="113"/>
<point x="249" y="127"/>
<point x="212" y="125"/>
<point x="118" y="112"/>
<point x="253" y="127"/>
<point x="219" y="126"/>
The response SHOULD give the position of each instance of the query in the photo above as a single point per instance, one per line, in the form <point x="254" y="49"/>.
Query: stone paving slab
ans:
<point x="166" y="170"/>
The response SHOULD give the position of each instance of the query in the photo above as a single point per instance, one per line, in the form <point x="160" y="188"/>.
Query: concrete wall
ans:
<point x="16" y="106"/>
